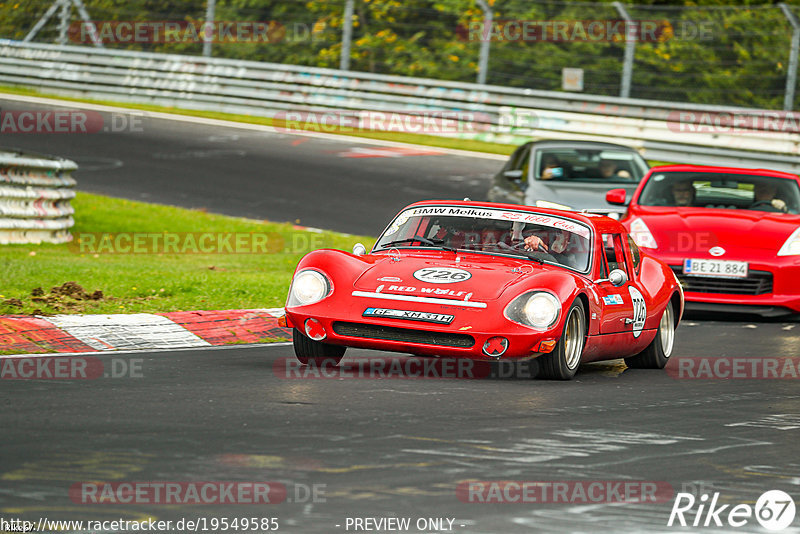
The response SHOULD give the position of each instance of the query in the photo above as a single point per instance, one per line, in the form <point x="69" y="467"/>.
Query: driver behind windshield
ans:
<point x="557" y="243"/>
<point x="764" y="198"/>
<point x="553" y="244"/>
<point x="683" y="193"/>
<point x="609" y="169"/>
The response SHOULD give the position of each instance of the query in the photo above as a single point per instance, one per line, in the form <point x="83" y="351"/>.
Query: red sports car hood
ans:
<point x="698" y="229"/>
<point x="477" y="277"/>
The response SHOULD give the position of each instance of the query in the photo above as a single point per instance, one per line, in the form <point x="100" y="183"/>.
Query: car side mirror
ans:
<point x="359" y="249"/>
<point x="617" y="197"/>
<point x="617" y="277"/>
<point x="513" y="175"/>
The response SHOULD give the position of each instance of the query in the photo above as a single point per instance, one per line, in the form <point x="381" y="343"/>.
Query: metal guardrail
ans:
<point x="664" y="131"/>
<point x="35" y="194"/>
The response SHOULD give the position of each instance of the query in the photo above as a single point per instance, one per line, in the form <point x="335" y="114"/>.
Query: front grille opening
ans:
<point x="403" y="335"/>
<point x="756" y="283"/>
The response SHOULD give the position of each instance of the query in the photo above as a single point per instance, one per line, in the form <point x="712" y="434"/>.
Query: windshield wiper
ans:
<point x="424" y="240"/>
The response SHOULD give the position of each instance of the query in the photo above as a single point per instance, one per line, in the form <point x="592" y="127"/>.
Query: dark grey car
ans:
<point x="568" y="175"/>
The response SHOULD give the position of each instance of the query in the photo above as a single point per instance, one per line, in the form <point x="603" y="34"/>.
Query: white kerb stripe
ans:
<point x="127" y="331"/>
<point x="412" y="298"/>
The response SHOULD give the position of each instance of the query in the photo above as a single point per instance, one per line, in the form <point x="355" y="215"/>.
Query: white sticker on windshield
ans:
<point x="400" y="221"/>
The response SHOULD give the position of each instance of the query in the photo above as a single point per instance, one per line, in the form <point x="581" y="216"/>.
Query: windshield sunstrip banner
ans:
<point x="499" y="215"/>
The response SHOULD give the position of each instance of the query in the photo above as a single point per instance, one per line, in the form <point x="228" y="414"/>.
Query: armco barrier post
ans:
<point x="791" y="73"/>
<point x="34" y="198"/>
<point x="483" y="61"/>
<point x="347" y="36"/>
<point x="630" y="48"/>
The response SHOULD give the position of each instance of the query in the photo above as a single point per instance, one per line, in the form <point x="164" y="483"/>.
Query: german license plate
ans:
<point x="727" y="269"/>
<point x="427" y="317"/>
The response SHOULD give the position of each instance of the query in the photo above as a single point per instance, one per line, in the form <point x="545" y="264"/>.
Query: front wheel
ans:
<point x="657" y="353"/>
<point x="315" y="353"/>
<point x="562" y="363"/>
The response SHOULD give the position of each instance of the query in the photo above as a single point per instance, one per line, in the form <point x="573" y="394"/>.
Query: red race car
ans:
<point x="488" y="282"/>
<point x="732" y="236"/>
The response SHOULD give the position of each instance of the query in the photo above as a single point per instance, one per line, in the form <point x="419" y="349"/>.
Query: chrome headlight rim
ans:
<point x="326" y="288"/>
<point x="516" y="310"/>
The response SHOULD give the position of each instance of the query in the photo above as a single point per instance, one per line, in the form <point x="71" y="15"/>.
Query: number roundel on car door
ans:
<point x="639" y="310"/>
<point x="442" y="275"/>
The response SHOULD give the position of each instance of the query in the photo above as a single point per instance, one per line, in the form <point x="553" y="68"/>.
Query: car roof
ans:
<point x="726" y="170"/>
<point x="601" y="223"/>
<point x="566" y="143"/>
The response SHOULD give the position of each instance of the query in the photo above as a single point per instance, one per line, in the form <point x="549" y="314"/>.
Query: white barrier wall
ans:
<point x="35" y="194"/>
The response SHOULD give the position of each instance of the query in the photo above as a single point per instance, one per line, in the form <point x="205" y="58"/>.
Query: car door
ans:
<point x="616" y="305"/>
<point x="623" y="308"/>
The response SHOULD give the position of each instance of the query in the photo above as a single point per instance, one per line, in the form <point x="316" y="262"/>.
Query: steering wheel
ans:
<point x="767" y="203"/>
<point x="539" y="250"/>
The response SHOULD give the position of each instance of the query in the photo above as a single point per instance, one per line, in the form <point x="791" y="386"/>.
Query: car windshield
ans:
<point x="491" y="231"/>
<point x="722" y="190"/>
<point x="589" y="165"/>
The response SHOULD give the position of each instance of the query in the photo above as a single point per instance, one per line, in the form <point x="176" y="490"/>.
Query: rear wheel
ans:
<point x="562" y="363"/>
<point x="316" y="353"/>
<point x="657" y="353"/>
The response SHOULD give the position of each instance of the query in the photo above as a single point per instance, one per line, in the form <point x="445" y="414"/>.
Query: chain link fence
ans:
<point x="714" y="54"/>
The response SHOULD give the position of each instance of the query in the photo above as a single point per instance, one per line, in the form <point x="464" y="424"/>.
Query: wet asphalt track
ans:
<point x="377" y="447"/>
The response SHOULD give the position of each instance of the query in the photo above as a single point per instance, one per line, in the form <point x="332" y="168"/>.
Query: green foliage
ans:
<point x="707" y="51"/>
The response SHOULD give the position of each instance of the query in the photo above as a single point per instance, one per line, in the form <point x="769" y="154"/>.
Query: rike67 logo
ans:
<point x="774" y="510"/>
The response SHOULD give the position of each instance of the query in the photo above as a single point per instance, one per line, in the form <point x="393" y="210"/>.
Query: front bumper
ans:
<point x="464" y="338"/>
<point x="770" y="290"/>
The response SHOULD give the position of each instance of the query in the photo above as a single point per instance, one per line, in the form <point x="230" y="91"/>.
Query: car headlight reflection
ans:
<point x="537" y="309"/>
<point x="792" y="245"/>
<point x="641" y="234"/>
<point x="308" y="287"/>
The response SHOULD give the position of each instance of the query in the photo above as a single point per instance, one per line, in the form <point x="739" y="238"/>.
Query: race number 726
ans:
<point x="442" y="275"/>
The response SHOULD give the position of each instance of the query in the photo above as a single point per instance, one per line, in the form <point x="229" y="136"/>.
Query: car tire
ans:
<point x="316" y="353"/>
<point x="657" y="353"/>
<point x="563" y="362"/>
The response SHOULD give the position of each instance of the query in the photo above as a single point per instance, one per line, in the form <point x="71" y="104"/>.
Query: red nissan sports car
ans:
<point x="457" y="279"/>
<point x="732" y="236"/>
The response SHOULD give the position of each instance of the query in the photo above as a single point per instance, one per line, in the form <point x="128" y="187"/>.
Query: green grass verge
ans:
<point x="156" y="282"/>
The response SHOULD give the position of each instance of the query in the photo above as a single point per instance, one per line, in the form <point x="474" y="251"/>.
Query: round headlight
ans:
<point x="308" y="287"/>
<point x="541" y="310"/>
